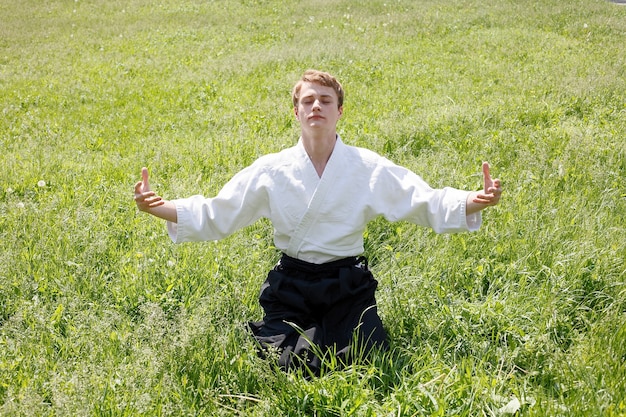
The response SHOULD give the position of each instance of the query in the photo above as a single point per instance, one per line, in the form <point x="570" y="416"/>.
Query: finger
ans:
<point x="490" y="201"/>
<point x="148" y="198"/>
<point x="148" y="201"/>
<point x="483" y="202"/>
<point x="156" y="203"/>
<point x="144" y="176"/>
<point x="144" y="197"/>
<point x="491" y="198"/>
<point x="482" y="198"/>
<point x="496" y="188"/>
<point x="138" y="187"/>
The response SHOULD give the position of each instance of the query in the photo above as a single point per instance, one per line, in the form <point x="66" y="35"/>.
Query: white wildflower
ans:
<point x="511" y="407"/>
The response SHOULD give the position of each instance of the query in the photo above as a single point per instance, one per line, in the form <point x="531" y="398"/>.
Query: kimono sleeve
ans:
<point x="406" y="196"/>
<point x="240" y="203"/>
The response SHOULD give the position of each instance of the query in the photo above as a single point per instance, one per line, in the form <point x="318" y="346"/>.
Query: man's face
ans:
<point x="318" y="107"/>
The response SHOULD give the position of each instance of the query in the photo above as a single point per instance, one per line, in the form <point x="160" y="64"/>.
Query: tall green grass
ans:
<point x="101" y="315"/>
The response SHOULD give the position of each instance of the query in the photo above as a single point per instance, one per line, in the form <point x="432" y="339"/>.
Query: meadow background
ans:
<point x="100" y="314"/>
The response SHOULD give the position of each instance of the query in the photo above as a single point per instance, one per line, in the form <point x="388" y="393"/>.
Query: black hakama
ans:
<point x="316" y="310"/>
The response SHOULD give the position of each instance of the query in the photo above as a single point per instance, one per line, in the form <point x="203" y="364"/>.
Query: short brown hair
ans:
<point x="318" y="77"/>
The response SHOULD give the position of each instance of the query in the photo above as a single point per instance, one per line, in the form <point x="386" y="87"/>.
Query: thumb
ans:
<point x="487" y="176"/>
<point x="144" y="178"/>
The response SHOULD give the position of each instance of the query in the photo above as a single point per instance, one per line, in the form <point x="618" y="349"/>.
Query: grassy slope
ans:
<point x="100" y="314"/>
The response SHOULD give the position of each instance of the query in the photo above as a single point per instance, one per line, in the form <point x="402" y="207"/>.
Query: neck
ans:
<point x="319" y="150"/>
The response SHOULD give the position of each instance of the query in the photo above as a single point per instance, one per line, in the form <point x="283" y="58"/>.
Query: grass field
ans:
<point x="100" y="314"/>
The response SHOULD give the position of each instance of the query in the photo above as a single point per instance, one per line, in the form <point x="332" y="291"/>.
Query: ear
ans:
<point x="340" y="111"/>
<point x="295" y="112"/>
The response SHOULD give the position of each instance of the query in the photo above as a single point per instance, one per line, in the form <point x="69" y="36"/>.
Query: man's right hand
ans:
<point x="148" y="201"/>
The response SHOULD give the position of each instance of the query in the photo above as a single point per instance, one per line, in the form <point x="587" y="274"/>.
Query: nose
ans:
<point x="316" y="105"/>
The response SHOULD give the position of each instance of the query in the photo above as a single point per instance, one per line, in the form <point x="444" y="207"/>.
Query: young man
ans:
<point x="319" y="195"/>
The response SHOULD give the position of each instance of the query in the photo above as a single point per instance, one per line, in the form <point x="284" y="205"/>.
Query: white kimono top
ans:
<point x="321" y="219"/>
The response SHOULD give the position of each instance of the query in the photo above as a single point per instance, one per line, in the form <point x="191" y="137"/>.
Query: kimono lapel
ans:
<point x="321" y="193"/>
